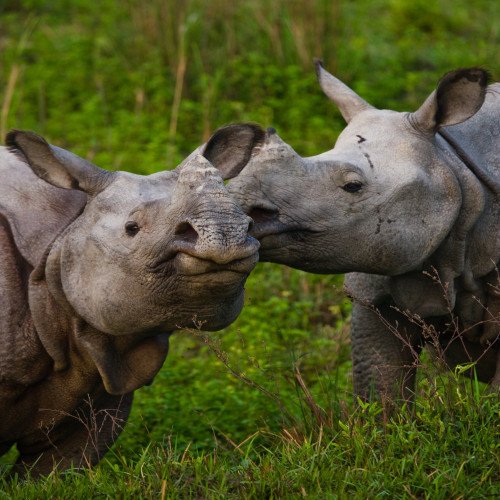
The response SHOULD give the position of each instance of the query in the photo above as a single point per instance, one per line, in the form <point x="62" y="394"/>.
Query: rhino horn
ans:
<point x="348" y="102"/>
<point x="199" y="173"/>
<point x="459" y="95"/>
<point x="58" y="166"/>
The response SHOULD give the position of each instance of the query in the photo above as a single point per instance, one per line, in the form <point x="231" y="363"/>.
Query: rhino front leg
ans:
<point x="84" y="441"/>
<point x="384" y="358"/>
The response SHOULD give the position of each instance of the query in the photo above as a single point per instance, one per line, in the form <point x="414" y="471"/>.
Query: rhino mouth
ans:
<point x="267" y="226"/>
<point x="282" y="239"/>
<point x="190" y="265"/>
<point x="186" y="264"/>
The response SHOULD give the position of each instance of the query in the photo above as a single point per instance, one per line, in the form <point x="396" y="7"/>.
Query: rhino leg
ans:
<point x="461" y="351"/>
<point x="384" y="358"/>
<point x="85" y="441"/>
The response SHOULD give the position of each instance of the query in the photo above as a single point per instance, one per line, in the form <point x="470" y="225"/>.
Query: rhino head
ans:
<point x="381" y="201"/>
<point x="143" y="256"/>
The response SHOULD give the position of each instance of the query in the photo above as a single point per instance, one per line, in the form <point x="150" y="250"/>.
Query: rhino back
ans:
<point x="19" y="344"/>
<point x="35" y="211"/>
<point x="32" y="213"/>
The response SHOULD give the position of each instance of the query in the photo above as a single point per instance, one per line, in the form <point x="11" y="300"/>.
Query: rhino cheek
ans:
<point x="116" y="302"/>
<point x="409" y="227"/>
<point x="102" y="287"/>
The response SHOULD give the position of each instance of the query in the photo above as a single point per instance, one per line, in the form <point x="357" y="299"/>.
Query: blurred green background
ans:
<point x="138" y="85"/>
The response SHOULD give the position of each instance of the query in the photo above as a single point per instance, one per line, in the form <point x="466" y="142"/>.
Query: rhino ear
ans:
<point x="230" y="148"/>
<point x="459" y="95"/>
<point x="348" y="102"/>
<point x="58" y="166"/>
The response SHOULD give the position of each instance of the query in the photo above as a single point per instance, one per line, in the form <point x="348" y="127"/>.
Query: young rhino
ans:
<point x="400" y="197"/>
<point x="96" y="270"/>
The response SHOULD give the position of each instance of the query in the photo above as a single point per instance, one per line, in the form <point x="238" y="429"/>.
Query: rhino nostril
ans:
<point x="186" y="231"/>
<point x="259" y="214"/>
<point x="250" y="226"/>
<point x="131" y="228"/>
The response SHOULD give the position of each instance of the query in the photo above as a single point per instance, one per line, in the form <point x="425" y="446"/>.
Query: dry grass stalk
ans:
<point x="15" y="71"/>
<point x="179" y="82"/>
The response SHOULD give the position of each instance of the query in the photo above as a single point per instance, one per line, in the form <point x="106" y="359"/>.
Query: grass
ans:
<point x="434" y="455"/>
<point x="264" y="408"/>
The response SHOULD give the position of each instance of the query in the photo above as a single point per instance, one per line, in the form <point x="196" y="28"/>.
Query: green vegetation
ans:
<point x="433" y="456"/>
<point x="264" y="408"/>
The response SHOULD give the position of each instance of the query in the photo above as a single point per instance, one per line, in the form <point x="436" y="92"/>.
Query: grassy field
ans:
<point x="263" y="409"/>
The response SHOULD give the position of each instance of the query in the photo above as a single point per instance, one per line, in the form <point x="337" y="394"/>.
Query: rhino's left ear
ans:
<point x="459" y="95"/>
<point x="58" y="166"/>
<point x="231" y="147"/>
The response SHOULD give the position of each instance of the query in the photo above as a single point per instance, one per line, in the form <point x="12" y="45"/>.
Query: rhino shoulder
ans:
<point x="35" y="210"/>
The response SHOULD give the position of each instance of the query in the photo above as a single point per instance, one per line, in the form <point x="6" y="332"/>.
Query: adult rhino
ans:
<point x="97" y="268"/>
<point x="409" y="205"/>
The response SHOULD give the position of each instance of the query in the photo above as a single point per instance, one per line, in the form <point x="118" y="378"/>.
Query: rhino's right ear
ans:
<point x="58" y="166"/>
<point x="458" y="96"/>
<point x="230" y="148"/>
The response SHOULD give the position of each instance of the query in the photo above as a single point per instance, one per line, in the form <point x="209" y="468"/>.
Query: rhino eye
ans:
<point x="131" y="228"/>
<point x="352" y="187"/>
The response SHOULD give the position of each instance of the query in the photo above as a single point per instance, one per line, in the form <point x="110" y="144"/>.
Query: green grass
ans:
<point x="226" y="417"/>
<point x="138" y="85"/>
<point x="437" y="454"/>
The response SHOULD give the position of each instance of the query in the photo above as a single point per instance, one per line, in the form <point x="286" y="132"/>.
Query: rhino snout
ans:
<point x="203" y="247"/>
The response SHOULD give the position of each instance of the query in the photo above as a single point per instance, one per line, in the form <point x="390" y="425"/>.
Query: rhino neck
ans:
<point x="472" y="160"/>
<point x="477" y="228"/>
<point x="125" y="363"/>
<point x="474" y="145"/>
<point x="50" y="312"/>
<point x="453" y="275"/>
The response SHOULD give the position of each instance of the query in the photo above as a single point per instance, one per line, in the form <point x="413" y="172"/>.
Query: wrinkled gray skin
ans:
<point x="96" y="269"/>
<point x="391" y="201"/>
